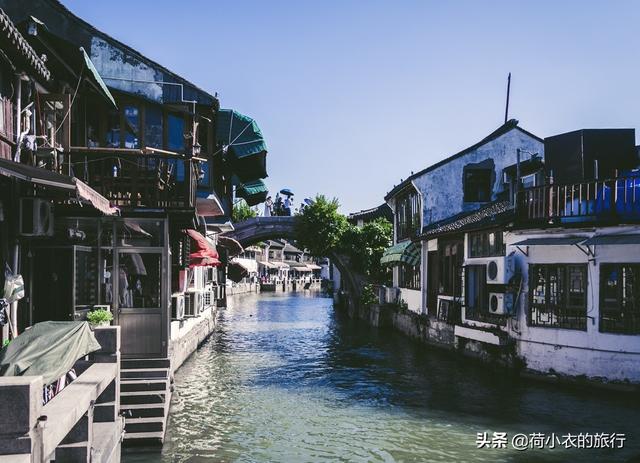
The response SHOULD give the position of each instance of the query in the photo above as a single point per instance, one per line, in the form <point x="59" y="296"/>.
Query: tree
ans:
<point x="365" y="246"/>
<point x="320" y="226"/>
<point x="242" y="212"/>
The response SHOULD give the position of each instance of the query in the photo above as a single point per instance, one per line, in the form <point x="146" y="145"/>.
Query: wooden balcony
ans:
<point x="599" y="201"/>
<point x="129" y="178"/>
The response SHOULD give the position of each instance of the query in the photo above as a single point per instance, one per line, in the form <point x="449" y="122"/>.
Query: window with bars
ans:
<point x="620" y="298"/>
<point x="558" y="296"/>
<point x="409" y="276"/>
<point x="407" y="215"/>
<point x="486" y="244"/>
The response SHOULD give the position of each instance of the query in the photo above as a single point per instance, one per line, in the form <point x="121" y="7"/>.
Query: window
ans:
<point x="450" y="268"/>
<point x="153" y="126"/>
<point x="175" y="124"/>
<point x="557" y="296"/>
<point x="132" y="127"/>
<point x="477" y="296"/>
<point x="620" y="298"/>
<point x="409" y="276"/>
<point x="477" y="185"/>
<point x="407" y="215"/>
<point x="112" y="135"/>
<point x="486" y="244"/>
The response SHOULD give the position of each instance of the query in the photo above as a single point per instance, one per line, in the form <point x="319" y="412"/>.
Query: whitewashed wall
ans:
<point x="575" y="352"/>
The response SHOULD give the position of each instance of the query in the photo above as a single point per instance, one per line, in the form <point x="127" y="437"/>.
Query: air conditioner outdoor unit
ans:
<point x="36" y="217"/>
<point x="192" y="303"/>
<point x="500" y="303"/>
<point x="500" y="270"/>
<point x="209" y="298"/>
<point x="177" y="306"/>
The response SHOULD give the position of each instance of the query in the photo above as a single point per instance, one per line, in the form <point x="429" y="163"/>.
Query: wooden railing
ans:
<point x="598" y="200"/>
<point x="129" y="179"/>
<point x="81" y="423"/>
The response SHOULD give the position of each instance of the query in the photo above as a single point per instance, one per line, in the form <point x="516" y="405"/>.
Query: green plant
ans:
<point x="368" y="296"/>
<point x="98" y="316"/>
<point x="242" y="211"/>
<point x="365" y="246"/>
<point x="320" y="227"/>
<point x="6" y="342"/>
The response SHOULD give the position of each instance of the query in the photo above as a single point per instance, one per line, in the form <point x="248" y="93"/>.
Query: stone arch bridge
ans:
<point x="257" y="229"/>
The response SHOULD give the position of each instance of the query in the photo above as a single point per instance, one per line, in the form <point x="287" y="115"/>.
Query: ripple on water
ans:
<point x="284" y="379"/>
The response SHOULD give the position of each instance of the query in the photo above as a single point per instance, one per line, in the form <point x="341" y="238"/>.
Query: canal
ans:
<point x="287" y="379"/>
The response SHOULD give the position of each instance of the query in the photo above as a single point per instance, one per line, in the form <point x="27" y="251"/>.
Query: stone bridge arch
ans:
<point x="257" y="229"/>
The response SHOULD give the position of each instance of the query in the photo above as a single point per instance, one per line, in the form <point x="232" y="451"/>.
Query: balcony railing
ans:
<point x="131" y="178"/>
<point x="599" y="200"/>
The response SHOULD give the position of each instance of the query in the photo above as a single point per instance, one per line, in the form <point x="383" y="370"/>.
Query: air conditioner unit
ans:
<point x="192" y="303"/>
<point x="500" y="270"/>
<point x="500" y="303"/>
<point x="209" y="298"/>
<point x="36" y="217"/>
<point x="177" y="306"/>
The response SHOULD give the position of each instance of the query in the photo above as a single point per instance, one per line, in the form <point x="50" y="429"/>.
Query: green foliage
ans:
<point x="320" y="227"/>
<point x="98" y="316"/>
<point x="365" y="247"/>
<point x="6" y="342"/>
<point x="242" y="211"/>
<point x="368" y="296"/>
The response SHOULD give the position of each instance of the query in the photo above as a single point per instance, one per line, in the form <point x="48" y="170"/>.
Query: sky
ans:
<point x="352" y="96"/>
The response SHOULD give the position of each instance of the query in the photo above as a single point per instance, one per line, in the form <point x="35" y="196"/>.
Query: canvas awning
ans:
<point x="613" y="240"/>
<point x="98" y="201"/>
<point x="244" y="143"/>
<point x="204" y="254"/>
<point x="253" y="192"/>
<point x="236" y="271"/>
<point x="49" y="349"/>
<point x="267" y="264"/>
<point x="209" y="206"/>
<point x="550" y="241"/>
<point x="232" y="246"/>
<point x="36" y="175"/>
<point x="406" y="252"/>
<point x="314" y="266"/>
<point x="279" y="264"/>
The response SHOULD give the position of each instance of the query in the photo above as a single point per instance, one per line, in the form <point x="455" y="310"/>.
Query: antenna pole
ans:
<point x="506" y="109"/>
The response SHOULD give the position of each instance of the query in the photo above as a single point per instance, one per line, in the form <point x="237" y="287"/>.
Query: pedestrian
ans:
<point x="278" y="204"/>
<point x="287" y="206"/>
<point x="268" y="205"/>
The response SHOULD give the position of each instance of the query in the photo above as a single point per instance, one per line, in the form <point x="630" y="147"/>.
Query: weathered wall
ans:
<point x="187" y="335"/>
<point x="442" y="188"/>
<point x="591" y="353"/>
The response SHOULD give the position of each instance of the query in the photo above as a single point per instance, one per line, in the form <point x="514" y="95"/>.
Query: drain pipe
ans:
<point x="16" y="247"/>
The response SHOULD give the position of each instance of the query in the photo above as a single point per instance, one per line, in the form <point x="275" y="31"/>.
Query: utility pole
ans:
<point x="506" y="109"/>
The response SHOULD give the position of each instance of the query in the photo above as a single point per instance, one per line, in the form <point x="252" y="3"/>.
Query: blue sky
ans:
<point x="354" y="95"/>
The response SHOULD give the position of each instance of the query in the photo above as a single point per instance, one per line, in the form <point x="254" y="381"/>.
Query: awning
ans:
<point x="303" y="269"/>
<point x="236" y="271"/>
<point x="267" y="264"/>
<point x="279" y="264"/>
<point x="96" y="199"/>
<point x="613" y="240"/>
<point x="204" y="255"/>
<point x="36" y="175"/>
<point x="295" y="264"/>
<point x="406" y="252"/>
<point x="250" y="264"/>
<point x="244" y="143"/>
<point x="232" y="246"/>
<point x="209" y="206"/>
<point x="94" y="76"/>
<point x="314" y="266"/>
<point x="550" y="241"/>
<point x="253" y="192"/>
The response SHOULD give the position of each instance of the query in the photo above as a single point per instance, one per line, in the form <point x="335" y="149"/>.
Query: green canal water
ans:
<point x="285" y="378"/>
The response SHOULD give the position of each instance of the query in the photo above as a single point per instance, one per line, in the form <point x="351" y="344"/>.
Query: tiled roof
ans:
<point x="383" y="210"/>
<point x="22" y="48"/>
<point x="493" y="214"/>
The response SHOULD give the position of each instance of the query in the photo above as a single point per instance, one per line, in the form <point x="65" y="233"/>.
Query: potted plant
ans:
<point x="99" y="317"/>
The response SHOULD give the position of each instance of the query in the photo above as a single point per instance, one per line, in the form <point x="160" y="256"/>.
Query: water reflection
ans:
<point x="285" y="378"/>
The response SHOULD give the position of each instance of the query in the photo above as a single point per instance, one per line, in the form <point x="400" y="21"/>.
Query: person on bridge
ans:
<point x="268" y="205"/>
<point x="287" y="205"/>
